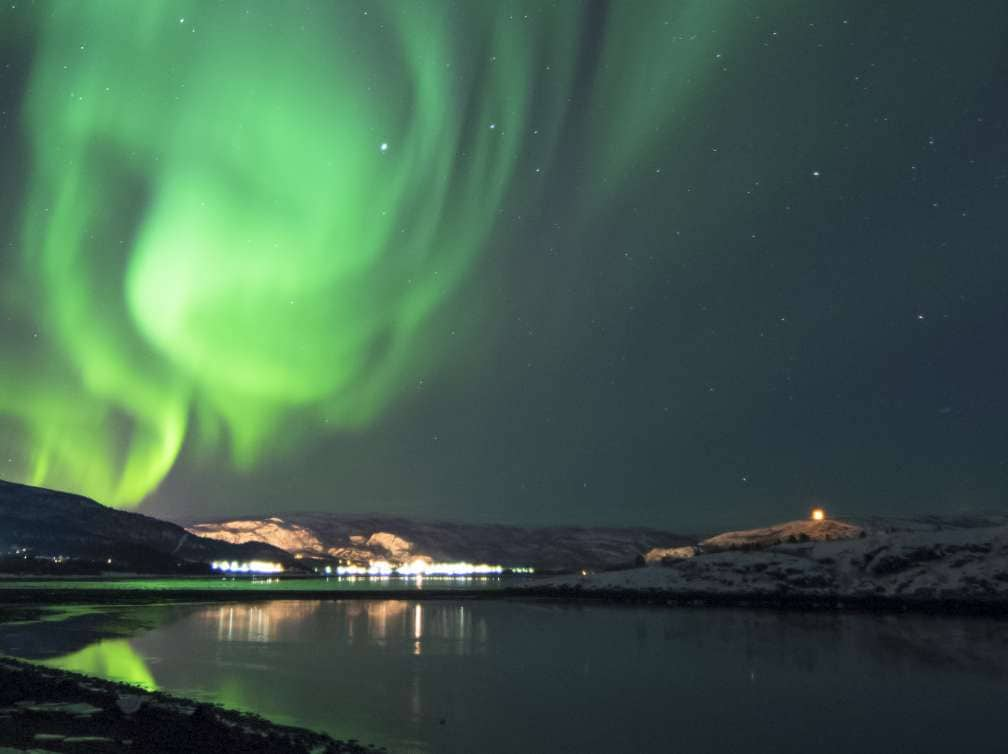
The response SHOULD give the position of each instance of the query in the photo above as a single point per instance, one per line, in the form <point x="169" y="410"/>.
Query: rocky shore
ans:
<point x="46" y="710"/>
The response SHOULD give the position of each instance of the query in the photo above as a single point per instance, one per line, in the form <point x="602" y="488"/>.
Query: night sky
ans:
<point x="688" y="264"/>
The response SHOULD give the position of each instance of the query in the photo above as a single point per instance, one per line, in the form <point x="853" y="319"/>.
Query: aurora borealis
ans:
<point x="520" y="260"/>
<point x="264" y="249"/>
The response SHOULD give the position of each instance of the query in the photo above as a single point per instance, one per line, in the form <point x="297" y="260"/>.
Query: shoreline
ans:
<point x="781" y="601"/>
<point x="43" y="708"/>
<point x="14" y="599"/>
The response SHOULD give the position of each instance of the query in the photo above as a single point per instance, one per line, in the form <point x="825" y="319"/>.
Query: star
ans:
<point x="384" y="146"/>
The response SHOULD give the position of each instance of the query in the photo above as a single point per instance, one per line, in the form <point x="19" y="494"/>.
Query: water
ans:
<point x="504" y="676"/>
<point x="270" y="584"/>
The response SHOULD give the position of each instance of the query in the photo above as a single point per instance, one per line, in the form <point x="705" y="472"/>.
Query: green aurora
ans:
<point x="240" y="226"/>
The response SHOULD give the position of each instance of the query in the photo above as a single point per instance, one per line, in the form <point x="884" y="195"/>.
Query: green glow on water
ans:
<point x="110" y="658"/>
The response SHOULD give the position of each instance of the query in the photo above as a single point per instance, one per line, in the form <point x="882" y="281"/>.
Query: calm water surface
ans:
<point x="502" y="676"/>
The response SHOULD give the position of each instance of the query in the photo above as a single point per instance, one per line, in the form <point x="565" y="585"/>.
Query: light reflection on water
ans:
<point x="369" y="621"/>
<point x="496" y="676"/>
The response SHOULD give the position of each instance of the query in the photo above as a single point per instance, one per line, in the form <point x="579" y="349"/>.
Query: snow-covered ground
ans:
<point x="919" y="559"/>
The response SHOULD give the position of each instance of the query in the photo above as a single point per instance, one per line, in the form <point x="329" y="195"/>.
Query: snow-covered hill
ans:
<point x="360" y="539"/>
<point x="791" y="532"/>
<point x="922" y="560"/>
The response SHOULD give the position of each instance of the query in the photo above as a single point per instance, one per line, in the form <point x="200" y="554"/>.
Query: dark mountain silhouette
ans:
<point x="46" y="523"/>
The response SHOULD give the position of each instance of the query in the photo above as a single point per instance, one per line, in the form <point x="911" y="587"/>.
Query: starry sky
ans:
<point x="682" y="263"/>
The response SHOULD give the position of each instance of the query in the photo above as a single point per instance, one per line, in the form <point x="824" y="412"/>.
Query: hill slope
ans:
<point x="50" y="523"/>
<point x="792" y="531"/>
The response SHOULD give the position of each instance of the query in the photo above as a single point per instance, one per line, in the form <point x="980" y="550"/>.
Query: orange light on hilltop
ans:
<point x="818" y="514"/>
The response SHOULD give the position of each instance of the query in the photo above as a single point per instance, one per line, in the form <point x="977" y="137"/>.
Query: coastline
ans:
<point x="14" y="601"/>
<point x="773" y="601"/>
<point x="43" y="708"/>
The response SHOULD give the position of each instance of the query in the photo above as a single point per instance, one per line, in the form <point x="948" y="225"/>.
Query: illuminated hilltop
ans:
<point x="363" y="540"/>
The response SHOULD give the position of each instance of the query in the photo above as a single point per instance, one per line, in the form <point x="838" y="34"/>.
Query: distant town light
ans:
<point x="818" y="514"/>
<point x="419" y="567"/>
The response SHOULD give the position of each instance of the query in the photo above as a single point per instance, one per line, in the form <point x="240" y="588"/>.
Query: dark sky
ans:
<point x="685" y="264"/>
